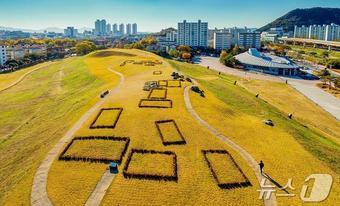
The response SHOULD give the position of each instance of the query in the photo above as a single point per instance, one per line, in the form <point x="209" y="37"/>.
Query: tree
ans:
<point x="183" y="48"/>
<point x="333" y="63"/>
<point x="186" y="55"/>
<point x="85" y="47"/>
<point x="325" y="54"/>
<point x="174" y="53"/>
<point x="336" y="82"/>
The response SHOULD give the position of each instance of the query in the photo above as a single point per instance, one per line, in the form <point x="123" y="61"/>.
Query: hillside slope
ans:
<point x="309" y="16"/>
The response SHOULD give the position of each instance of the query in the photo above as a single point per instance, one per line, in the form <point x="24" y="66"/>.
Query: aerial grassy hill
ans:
<point x="40" y="109"/>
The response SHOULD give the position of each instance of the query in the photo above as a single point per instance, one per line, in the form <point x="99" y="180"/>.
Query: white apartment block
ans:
<point x="321" y="32"/>
<point x="249" y="40"/>
<point x="3" y="55"/>
<point x="128" y="29"/>
<point x="222" y="40"/>
<point x="171" y="36"/>
<point x="193" y="34"/>
<point x="332" y="32"/>
<point x="121" y="29"/>
<point x="134" y="29"/>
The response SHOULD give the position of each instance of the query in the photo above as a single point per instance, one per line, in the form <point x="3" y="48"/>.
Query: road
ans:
<point x="308" y="88"/>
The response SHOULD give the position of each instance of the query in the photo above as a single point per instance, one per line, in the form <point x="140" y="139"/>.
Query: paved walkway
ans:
<point x="21" y="78"/>
<point x="98" y="193"/>
<point x="39" y="196"/>
<point x="251" y="161"/>
<point x="320" y="97"/>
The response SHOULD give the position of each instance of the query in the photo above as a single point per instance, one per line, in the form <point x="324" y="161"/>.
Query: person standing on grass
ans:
<point x="261" y="164"/>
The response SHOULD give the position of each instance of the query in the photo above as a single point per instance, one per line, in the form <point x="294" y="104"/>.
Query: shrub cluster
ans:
<point x="173" y="177"/>
<point x="64" y="157"/>
<point x="93" y="126"/>
<point x="165" y="93"/>
<point x="166" y="143"/>
<point x="222" y="185"/>
<point x="155" y="100"/>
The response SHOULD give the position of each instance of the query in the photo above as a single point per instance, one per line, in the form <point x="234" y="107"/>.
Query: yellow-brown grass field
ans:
<point x="289" y="149"/>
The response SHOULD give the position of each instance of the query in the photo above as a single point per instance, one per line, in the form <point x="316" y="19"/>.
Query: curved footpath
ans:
<point x="21" y="78"/>
<point x="39" y="196"/>
<point x="250" y="160"/>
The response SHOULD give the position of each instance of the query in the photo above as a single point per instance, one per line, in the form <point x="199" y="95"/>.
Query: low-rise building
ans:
<point x="222" y="40"/>
<point x="267" y="63"/>
<point x="18" y="52"/>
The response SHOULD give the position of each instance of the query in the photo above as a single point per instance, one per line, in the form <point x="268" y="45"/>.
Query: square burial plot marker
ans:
<point x="158" y="93"/>
<point x="100" y="149"/>
<point x="225" y="170"/>
<point x="151" y="165"/>
<point x="107" y="118"/>
<point x="155" y="103"/>
<point x="170" y="83"/>
<point x="169" y="132"/>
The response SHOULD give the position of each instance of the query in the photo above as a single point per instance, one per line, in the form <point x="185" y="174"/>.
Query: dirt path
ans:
<point x="21" y="78"/>
<point x="250" y="160"/>
<point x="39" y="196"/>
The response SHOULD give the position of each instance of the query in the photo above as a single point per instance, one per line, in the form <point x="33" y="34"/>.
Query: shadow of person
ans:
<point x="274" y="182"/>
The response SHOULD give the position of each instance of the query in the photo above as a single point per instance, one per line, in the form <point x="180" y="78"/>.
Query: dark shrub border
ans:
<point x="167" y="83"/>
<point x="95" y="160"/>
<point x="222" y="185"/>
<point x="164" y="97"/>
<point x="173" y="177"/>
<point x="93" y="126"/>
<point x="157" y="73"/>
<point x="154" y="100"/>
<point x="166" y="143"/>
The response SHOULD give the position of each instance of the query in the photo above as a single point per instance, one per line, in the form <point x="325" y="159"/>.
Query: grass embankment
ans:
<point x="288" y="149"/>
<point x="7" y="79"/>
<point x="313" y="54"/>
<point x="195" y="185"/>
<point x="35" y="114"/>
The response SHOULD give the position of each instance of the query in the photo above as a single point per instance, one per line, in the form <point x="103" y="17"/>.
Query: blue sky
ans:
<point x="150" y="15"/>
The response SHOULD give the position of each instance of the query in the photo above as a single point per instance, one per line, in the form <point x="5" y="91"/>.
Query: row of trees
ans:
<point x="182" y="51"/>
<point x="142" y="44"/>
<point x="49" y="42"/>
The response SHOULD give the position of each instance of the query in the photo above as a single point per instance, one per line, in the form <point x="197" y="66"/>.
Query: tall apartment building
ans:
<point x="3" y="55"/>
<point x="321" y="32"/>
<point x="121" y="29"/>
<point x="316" y="31"/>
<point x="193" y="33"/>
<point x="301" y="32"/>
<point x="332" y="32"/>
<point x="100" y="27"/>
<point x="128" y="29"/>
<point x="222" y="40"/>
<point x="114" y="28"/>
<point x="70" y="32"/>
<point x="249" y="40"/>
<point x="134" y="29"/>
<point x="108" y="28"/>
<point x="234" y="31"/>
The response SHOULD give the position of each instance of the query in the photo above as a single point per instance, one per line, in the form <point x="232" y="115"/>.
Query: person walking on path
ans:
<point x="261" y="164"/>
